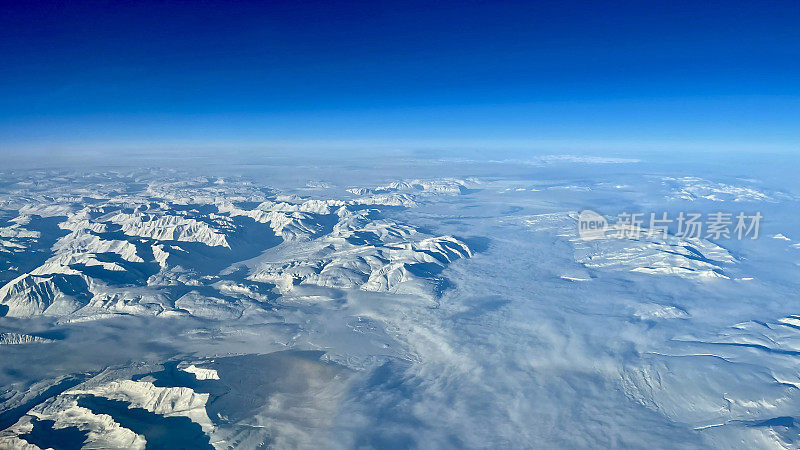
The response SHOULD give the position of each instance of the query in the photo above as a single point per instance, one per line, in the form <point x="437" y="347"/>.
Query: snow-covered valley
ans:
<point x="434" y="306"/>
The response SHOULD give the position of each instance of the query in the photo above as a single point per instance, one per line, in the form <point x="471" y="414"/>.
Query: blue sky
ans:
<point x="663" y="74"/>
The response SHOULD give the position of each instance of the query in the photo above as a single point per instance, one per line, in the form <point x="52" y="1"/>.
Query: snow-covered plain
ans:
<point x="395" y="302"/>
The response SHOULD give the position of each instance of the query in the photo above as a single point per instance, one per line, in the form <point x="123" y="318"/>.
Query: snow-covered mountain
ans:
<point x="152" y="241"/>
<point x="445" y="303"/>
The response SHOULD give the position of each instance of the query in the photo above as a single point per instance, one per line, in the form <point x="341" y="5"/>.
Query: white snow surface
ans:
<point x="421" y="303"/>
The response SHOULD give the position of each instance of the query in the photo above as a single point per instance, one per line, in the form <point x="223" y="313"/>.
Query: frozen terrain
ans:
<point x="396" y="303"/>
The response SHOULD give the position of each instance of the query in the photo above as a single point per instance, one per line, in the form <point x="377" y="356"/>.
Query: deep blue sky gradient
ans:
<point x="579" y="73"/>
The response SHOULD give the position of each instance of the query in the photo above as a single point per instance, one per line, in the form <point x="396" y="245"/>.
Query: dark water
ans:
<point x="45" y="436"/>
<point x="160" y="432"/>
<point x="11" y="416"/>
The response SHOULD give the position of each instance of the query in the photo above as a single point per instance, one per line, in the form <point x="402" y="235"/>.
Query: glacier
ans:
<point x="375" y="302"/>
